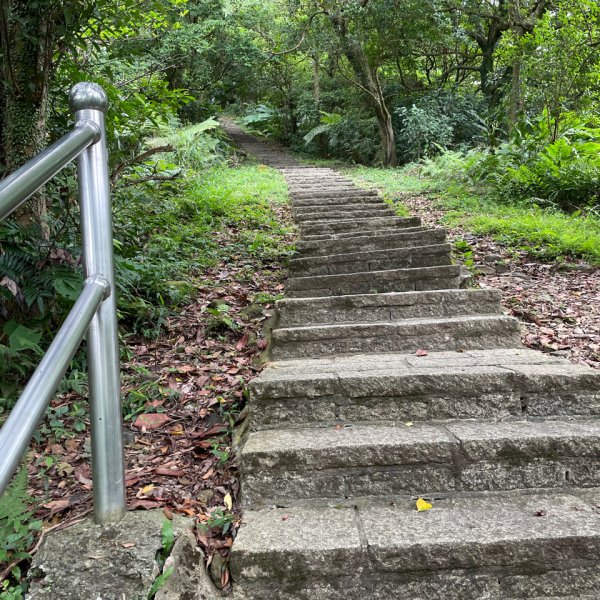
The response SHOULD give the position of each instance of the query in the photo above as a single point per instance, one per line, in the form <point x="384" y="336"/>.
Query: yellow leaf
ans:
<point x="408" y="423"/>
<point x="145" y="490"/>
<point x="228" y="501"/>
<point x="423" y="505"/>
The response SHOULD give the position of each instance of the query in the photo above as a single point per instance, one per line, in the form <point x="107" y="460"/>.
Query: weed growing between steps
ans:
<point x="222" y="245"/>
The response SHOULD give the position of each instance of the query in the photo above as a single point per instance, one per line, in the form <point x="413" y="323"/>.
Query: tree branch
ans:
<point x="118" y="170"/>
<point x="303" y="37"/>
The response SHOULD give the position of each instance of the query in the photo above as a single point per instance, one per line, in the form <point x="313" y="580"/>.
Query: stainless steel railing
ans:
<point x="94" y="312"/>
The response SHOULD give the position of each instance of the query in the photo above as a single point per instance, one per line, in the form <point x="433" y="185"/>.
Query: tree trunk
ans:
<point x="386" y="133"/>
<point x="317" y="82"/>
<point x="515" y="109"/>
<point x="27" y="39"/>
<point x="368" y="81"/>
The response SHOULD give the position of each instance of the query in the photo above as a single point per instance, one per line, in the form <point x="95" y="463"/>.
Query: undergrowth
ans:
<point x="166" y="235"/>
<point x="546" y="232"/>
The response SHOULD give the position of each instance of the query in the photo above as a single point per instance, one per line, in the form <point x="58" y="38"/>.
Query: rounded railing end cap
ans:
<point x="87" y="95"/>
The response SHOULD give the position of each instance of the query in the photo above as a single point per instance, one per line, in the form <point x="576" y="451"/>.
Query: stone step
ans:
<point x="487" y="384"/>
<point x="352" y="225"/>
<point x="334" y="194"/>
<point x="476" y="332"/>
<point x="398" y="239"/>
<point x="542" y="546"/>
<point x="325" y="209"/>
<point x="319" y="185"/>
<point x="322" y="186"/>
<point x="311" y="174"/>
<point x="357" y="233"/>
<point x="371" y="282"/>
<point x="309" y="179"/>
<point x="342" y="215"/>
<point x="316" y="202"/>
<point x="372" y="260"/>
<point x="371" y="460"/>
<point x="386" y="307"/>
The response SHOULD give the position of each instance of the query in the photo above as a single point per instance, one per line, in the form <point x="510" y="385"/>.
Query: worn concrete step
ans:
<point x="358" y="233"/>
<point x="367" y="308"/>
<point x="313" y="175"/>
<point x="476" y="332"/>
<point x="398" y="239"/>
<point x="372" y="282"/>
<point x="319" y="187"/>
<point x="498" y="547"/>
<point x="320" y="217"/>
<point x="281" y="466"/>
<point x="372" y="260"/>
<point x="310" y="180"/>
<point x="320" y="227"/>
<point x="307" y="202"/>
<point x="487" y="384"/>
<point x="335" y="193"/>
<point x="309" y="175"/>
<point x="340" y="202"/>
<point x="325" y="209"/>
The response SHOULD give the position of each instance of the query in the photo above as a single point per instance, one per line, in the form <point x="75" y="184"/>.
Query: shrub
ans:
<point x="422" y="133"/>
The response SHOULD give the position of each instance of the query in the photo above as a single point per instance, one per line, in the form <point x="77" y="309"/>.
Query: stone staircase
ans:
<point x="350" y="424"/>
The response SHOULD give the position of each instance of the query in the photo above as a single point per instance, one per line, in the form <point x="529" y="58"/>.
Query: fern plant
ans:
<point x="17" y="531"/>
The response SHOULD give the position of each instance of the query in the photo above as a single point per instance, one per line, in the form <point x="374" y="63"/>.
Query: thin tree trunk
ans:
<point x="386" y="133"/>
<point x="368" y="81"/>
<point x="317" y="81"/>
<point x="515" y="109"/>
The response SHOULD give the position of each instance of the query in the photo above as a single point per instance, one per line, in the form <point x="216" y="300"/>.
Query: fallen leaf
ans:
<point x="151" y="420"/>
<point x="55" y="506"/>
<point x="423" y="505"/>
<point x="145" y="490"/>
<point x="169" y="472"/>
<point x="242" y="342"/>
<point x="224" y="577"/>
<point x="228" y="501"/>
<point x="143" y="504"/>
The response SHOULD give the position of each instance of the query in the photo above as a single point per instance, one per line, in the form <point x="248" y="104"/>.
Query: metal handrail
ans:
<point x="94" y="313"/>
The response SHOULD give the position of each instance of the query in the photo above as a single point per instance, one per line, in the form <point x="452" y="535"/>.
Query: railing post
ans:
<point x="89" y="103"/>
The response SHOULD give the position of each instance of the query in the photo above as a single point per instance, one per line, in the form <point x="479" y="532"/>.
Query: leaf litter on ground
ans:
<point x="557" y="302"/>
<point x="184" y="394"/>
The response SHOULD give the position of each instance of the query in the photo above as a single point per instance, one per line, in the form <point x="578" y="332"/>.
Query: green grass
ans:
<point x="547" y="233"/>
<point x="242" y="199"/>
<point x="167" y="238"/>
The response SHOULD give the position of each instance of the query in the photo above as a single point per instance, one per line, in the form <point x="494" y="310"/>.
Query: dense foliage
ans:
<point x="400" y="81"/>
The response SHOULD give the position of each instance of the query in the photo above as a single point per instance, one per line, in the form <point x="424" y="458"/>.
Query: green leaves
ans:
<point x="16" y="529"/>
<point x="21" y="338"/>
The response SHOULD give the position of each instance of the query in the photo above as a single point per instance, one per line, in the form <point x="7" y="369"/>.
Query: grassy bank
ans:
<point x="546" y="233"/>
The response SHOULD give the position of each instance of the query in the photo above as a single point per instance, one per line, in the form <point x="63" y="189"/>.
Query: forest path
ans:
<point x="387" y="384"/>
